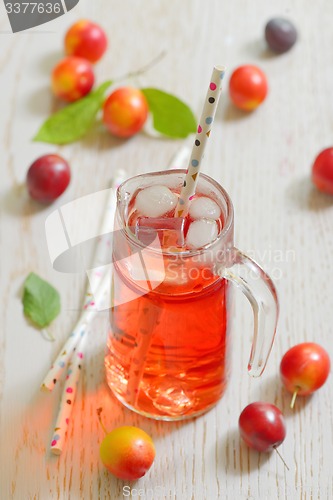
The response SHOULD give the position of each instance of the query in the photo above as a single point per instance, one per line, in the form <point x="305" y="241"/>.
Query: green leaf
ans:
<point x="72" y="122"/>
<point x="41" y="301"/>
<point x="171" y="116"/>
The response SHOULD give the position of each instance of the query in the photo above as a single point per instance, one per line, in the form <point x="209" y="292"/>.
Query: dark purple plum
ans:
<point x="48" y="177"/>
<point x="280" y="34"/>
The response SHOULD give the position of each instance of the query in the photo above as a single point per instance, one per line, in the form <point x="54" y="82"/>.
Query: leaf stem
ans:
<point x="48" y="335"/>
<point x="143" y="69"/>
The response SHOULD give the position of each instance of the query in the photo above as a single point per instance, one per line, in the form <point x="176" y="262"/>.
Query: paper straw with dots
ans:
<point x="68" y="397"/>
<point x="70" y="345"/>
<point x="98" y="280"/>
<point x="203" y="132"/>
<point x="105" y="240"/>
<point x="73" y="377"/>
<point x="180" y="159"/>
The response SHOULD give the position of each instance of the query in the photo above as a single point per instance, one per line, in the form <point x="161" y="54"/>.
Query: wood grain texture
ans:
<point x="263" y="159"/>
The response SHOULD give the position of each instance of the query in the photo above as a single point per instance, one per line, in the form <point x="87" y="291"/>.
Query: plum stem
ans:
<point x="281" y="457"/>
<point x="143" y="69"/>
<point x="293" y="399"/>
<point x="99" y="411"/>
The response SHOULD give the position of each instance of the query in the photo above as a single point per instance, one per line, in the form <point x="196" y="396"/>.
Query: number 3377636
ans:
<point x="33" y="8"/>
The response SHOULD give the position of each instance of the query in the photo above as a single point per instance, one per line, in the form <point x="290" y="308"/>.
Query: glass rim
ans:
<point x="229" y="216"/>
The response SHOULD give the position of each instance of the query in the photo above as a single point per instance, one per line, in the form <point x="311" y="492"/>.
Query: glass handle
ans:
<point x="261" y="292"/>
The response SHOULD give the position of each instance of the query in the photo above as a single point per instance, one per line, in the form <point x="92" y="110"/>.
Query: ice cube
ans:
<point x="169" y="230"/>
<point x="201" y="232"/>
<point x="155" y="201"/>
<point x="204" y="207"/>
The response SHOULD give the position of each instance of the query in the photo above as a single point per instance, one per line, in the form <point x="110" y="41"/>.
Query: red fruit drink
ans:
<point x="167" y="349"/>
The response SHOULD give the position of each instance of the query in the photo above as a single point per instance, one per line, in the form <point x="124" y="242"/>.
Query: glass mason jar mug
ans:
<point x="168" y="347"/>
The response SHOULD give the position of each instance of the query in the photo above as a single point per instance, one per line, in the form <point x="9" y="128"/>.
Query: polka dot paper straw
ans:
<point x="69" y="347"/>
<point x="104" y="243"/>
<point x="149" y="316"/>
<point x="68" y="397"/>
<point x="103" y="246"/>
<point x="180" y="159"/>
<point x="203" y="132"/>
<point x="65" y="355"/>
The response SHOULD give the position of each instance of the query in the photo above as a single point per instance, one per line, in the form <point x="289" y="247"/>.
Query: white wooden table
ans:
<point x="263" y="159"/>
